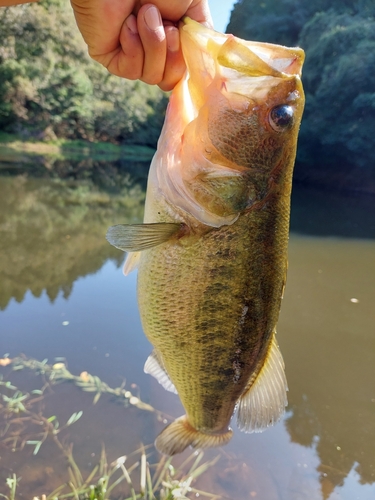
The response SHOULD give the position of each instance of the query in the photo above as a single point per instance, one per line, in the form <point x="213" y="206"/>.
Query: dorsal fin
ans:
<point x="137" y="237"/>
<point x="154" y="366"/>
<point x="263" y="404"/>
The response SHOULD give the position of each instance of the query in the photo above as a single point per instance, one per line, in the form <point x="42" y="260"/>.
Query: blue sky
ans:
<point x="220" y="10"/>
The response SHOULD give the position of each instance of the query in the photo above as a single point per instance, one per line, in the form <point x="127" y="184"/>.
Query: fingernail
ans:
<point x="173" y="39"/>
<point x="153" y="19"/>
<point x="131" y="23"/>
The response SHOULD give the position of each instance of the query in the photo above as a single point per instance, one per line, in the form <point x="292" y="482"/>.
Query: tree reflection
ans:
<point x="52" y="231"/>
<point x="326" y="333"/>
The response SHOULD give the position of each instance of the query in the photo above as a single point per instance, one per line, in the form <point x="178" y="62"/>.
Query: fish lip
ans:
<point x="270" y="59"/>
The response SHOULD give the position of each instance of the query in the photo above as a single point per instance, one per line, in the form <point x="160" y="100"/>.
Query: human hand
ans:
<point x="9" y="3"/>
<point x="138" y="40"/>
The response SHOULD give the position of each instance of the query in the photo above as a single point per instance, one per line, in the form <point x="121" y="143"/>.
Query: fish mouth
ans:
<point x="235" y="63"/>
<point x="249" y="58"/>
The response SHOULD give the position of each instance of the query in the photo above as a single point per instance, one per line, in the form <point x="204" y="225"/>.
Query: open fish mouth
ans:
<point x="239" y="64"/>
<point x="251" y="58"/>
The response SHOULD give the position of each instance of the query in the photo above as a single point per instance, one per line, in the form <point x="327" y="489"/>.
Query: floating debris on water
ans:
<point x="58" y="372"/>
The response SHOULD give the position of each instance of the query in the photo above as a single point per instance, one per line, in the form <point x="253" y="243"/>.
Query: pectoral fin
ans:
<point x="263" y="404"/>
<point x="137" y="237"/>
<point x="154" y="366"/>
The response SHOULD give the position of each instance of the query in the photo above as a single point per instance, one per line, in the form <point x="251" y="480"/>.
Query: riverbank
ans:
<point x="13" y="147"/>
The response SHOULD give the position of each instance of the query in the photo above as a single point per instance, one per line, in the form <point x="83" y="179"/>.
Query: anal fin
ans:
<point x="154" y="366"/>
<point x="263" y="403"/>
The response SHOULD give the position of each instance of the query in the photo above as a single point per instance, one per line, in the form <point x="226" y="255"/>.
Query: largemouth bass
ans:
<point x="212" y="252"/>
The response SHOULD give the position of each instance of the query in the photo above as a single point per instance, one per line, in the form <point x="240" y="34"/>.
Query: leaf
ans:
<point x="88" y="388"/>
<point x="38" y="444"/>
<point x="96" y="398"/>
<point x="37" y="447"/>
<point x="74" y="417"/>
<point x="17" y="368"/>
<point x="21" y="407"/>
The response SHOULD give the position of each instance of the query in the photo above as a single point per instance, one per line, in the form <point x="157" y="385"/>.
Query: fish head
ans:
<point x="235" y="118"/>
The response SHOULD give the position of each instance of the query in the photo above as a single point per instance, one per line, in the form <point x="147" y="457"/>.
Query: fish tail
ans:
<point x="180" y="434"/>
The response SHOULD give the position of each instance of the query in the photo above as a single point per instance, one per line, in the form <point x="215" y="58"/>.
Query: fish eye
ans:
<point x="281" y="117"/>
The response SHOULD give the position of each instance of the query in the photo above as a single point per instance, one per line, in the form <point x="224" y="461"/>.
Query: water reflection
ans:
<point x="320" y="212"/>
<point x="52" y="237"/>
<point x="52" y="231"/>
<point x="327" y="324"/>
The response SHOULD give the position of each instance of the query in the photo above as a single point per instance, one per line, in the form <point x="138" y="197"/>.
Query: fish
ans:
<point x="212" y="250"/>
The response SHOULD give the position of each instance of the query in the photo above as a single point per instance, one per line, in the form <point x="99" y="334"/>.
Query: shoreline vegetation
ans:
<point x="13" y="145"/>
<point x="26" y="424"/>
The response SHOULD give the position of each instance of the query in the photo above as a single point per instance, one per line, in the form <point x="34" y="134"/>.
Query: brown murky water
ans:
<point x="62" y="294"/>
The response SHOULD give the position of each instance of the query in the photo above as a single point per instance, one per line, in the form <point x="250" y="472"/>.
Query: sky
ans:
<point x="220" y="10"/>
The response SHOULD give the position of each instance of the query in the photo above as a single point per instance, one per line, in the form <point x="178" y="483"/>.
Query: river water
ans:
<point x="63" y="295"/>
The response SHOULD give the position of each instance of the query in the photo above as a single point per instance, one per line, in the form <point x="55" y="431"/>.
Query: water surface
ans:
<point x="62" y="294"/>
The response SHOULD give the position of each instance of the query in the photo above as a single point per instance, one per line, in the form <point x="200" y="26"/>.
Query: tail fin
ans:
<point x="180" y="434"/>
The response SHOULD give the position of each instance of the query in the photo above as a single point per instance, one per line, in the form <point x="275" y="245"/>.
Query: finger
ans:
<point x="129" y="60"/>
<point x="199" y="11"/>
<point x="175" y="64"/>
<point x="101" y="22"/>
<point x="152" y="34"/>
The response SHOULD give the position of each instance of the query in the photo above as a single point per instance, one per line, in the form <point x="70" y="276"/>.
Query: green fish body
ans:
<point x="212" y="253"/>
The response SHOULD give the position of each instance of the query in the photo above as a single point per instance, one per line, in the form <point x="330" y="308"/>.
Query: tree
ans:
<point x="338" y="78"/>
<point x="50" y="87"/>
<point x="337" y="136"/>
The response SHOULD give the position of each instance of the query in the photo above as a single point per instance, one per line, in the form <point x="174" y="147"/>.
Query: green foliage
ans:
<point x="267" y="20"/>
<point x="337" y="136"/>
<point x="129" y="111"/>
<point x="281" y="21"/>
<point x="338" y="78"/>
<point x="49" y="87"/>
